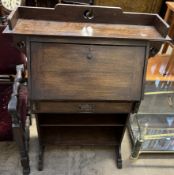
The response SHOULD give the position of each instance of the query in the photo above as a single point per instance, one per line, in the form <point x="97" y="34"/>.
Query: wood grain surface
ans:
<point x="86" y="72"/>
<point x="81" y="107"/>
<point x="41" y="27"/>
<point x="31" y="21"/>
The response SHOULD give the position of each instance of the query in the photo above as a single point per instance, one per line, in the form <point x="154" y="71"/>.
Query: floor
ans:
<point x="83" y="160"/>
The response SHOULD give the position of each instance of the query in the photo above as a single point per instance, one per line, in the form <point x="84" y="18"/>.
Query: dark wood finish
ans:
<point x="115" y="16"/>
<point x="86" y="74"/>
<point x="86" y="70"/>
<point x="82" y="107"/>
<point x="15" y="16"/>
<point x="80" y="136"/>
<point x="79" y="30"/>
<point x="19" y="131"/>
<point x="82" y="119"/>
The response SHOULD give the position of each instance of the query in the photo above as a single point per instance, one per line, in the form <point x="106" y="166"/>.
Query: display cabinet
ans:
<point x="152" y="127"/>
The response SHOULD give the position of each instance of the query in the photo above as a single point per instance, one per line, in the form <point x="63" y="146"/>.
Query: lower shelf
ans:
<point x="80" y="136"/>
<point x="82" y="119"/>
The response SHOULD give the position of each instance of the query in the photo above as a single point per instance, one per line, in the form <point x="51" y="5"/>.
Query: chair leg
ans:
<point x="20" y="140"/>
<point x="40" y="146"/>
<point x="19" y="131"/>
<point x="30" y="119"/>
<point x="40" y="158"/>
<point x="27" y="133"/>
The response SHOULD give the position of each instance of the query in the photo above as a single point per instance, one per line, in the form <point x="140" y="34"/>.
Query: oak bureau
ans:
<point x="86" y="69"/>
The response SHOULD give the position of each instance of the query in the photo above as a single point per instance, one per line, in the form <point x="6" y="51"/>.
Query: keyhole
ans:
<point x="88" y="14"/>
<point x="89" y="54"/>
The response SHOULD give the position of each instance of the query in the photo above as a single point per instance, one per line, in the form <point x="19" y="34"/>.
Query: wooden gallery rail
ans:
<point x="86" y="69"/>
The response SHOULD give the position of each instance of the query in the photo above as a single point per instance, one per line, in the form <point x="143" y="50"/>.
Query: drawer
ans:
<point x="81" y="107"/>
<point x="86" y="72"/>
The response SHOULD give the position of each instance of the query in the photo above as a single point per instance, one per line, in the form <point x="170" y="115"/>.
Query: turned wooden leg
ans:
<point x="27" y="133"/>
<point x="40" y="157"/>
<point x="40" y="146"/>
<point x="20" y="140"/>
<point x="118" y="157"/>
<point x="20" y="133"/>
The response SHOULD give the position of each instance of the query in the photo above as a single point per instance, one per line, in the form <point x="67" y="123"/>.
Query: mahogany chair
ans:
<point x="14" y="121"/>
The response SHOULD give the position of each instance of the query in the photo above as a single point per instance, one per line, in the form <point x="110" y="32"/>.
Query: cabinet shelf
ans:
<point x="81" y="136"/>
<point x="90" y="120"/>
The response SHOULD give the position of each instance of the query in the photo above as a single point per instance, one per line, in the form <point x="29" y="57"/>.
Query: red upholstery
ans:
<point x="9" y="56"/>
<point x="5" y="118"/>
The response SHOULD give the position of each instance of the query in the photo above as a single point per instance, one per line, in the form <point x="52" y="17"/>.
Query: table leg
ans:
<point x="40" y="158"/>
<point x="118" y="157"/>
<point x="20" y="140"/>
<point x="40" y="146"/>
